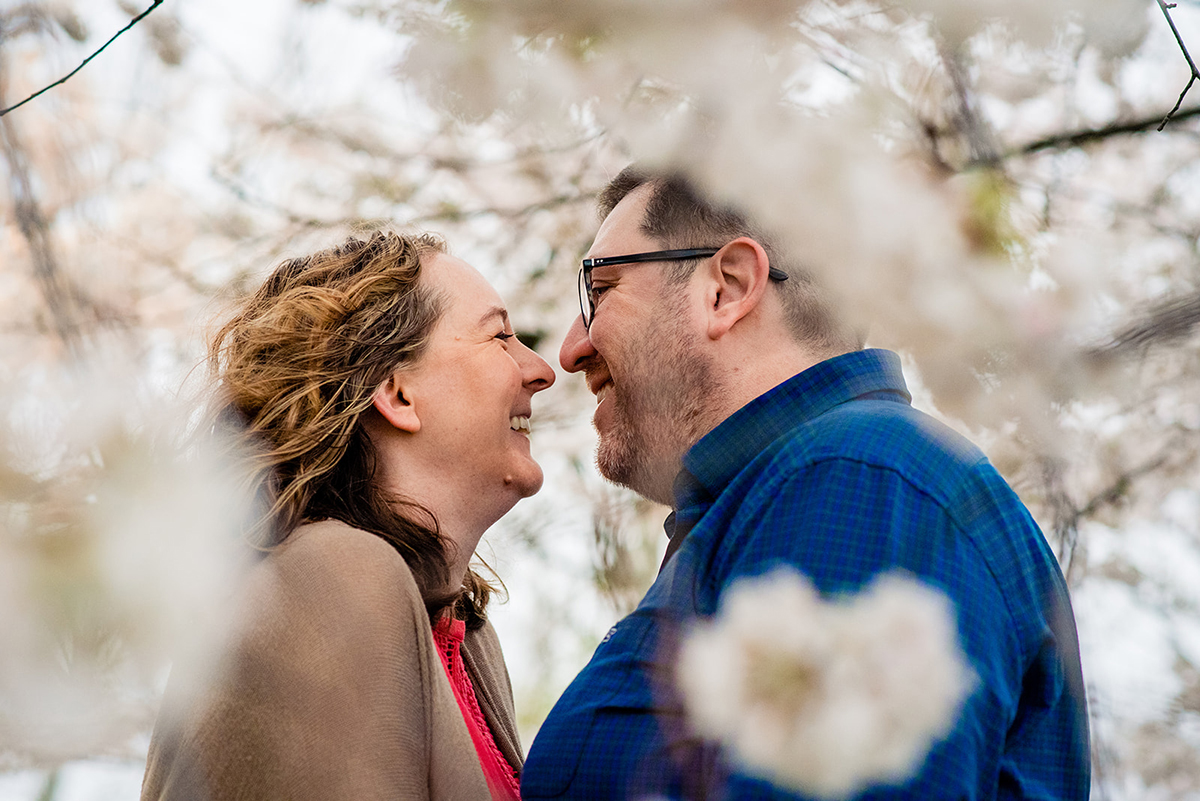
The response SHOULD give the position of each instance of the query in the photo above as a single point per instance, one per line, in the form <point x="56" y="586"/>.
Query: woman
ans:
<point x="384" y="402"/>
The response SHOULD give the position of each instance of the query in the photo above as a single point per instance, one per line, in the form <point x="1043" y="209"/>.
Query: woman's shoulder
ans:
<point x="331" y="595"/>
<point x="323" y="686"/>
<point x="332" y="559"/>
<point x="338" y="546"/>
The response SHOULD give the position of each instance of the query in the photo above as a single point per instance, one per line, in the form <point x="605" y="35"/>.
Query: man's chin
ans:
<point x="631" y="469"/>
<point x="615" y="463"/>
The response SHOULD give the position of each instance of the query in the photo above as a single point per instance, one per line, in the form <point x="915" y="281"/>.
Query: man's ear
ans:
<point x="738" y="280"/>
<point x="390" y="401"/>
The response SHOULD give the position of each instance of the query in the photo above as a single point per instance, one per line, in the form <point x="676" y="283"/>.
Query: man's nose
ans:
<point x="576" y="347"/>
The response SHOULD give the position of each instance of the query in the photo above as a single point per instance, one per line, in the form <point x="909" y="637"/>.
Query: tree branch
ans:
<point x="242" y="193"/>
<point x="1178" y="102"/>
<point x="1166" y="321"/>
<point x="1166" y="10"/>
<point x="64" y="79"/>
<point x="59" y="295"/>
<point x="970" y="125"/>
<point x="448" y="214"/>
<point x="1088" y="135"/>
<point x="1067" y="515"/>
<point x="444" y="213"/>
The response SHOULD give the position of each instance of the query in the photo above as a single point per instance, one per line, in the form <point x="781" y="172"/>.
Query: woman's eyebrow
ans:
<point x="495" y="311"/>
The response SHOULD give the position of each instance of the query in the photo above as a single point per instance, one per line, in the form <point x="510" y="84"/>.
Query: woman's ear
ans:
<point x="390" y="401"/>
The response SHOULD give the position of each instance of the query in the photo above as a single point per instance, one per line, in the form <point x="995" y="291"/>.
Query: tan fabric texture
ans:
<point x="330" y="688"/>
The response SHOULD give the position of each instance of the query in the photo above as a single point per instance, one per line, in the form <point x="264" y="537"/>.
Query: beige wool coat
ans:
<point x="329" y="687"/>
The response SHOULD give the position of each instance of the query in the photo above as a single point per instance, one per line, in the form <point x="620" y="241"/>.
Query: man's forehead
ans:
<point x="623" y="225"/>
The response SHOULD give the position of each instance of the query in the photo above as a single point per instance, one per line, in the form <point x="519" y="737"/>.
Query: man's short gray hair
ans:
<point x="679" y="216"/>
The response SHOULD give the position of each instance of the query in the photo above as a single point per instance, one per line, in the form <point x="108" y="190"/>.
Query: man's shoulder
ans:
<point x="881" y="434"/>
<point x="871" y="454"/>
<point x="862" y="461"/>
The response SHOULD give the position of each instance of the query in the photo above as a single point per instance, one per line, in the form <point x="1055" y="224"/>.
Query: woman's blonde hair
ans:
<point x="296" y="369"/>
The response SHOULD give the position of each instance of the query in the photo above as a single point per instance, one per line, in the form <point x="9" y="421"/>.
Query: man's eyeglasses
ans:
<point x="587" y="301"/>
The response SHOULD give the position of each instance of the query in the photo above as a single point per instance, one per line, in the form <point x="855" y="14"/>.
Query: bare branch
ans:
<point x="1063" y="511"/>
<point x="1166" y="321"/>
<point x="242" y="193"/>
<point x="1120" y="486"/>
<point x="1088" y="135"/>
<point x="70" y="309"/>
<point x="969" y="122"/>
<point x="456" y="215"/>
<point x="1166" y="10"/>
<point x="1085" y="136"/>
<point x="444" y="213"/>
<point x="1067" y="515"/>
<point x="64" y="79"/>
<point x="1178" y="103"/>
<point x="59" y="296"/>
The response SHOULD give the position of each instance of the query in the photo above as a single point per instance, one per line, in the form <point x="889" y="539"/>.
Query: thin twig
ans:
<point x="1067" y="515"/>
<point x="64" y="79"/>
<point x="243" y="193"/>
<point x="1088" y="135"/>
<point x="1166" y="10"/>
<point x="455" y="215"/>
<point x="1178" y="102"/>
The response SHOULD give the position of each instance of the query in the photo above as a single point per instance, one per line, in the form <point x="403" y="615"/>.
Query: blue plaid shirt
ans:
<point x="835" y="474"/>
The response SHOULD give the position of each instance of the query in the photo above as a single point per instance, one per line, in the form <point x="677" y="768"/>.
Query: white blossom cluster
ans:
<point x="839" y="167"/>
<point x="110" y="571"/>
<point x="826" y="697"/>
<point x="1116" y="27"/>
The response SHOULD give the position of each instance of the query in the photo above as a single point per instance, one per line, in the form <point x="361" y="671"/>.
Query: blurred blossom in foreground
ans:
<point x="826" y="697"/>
<point x="933" y="254"/>
<point x="1116" y="27"/>
<point x="116" y="546"/>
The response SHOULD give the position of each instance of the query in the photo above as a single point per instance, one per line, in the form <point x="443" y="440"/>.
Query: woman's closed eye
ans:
<point x="504" y="336"/>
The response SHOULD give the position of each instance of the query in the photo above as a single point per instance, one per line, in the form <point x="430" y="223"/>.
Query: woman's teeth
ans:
<point x="519" y="424"/>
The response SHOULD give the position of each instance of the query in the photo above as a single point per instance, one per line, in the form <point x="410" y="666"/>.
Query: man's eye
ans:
<point x="595" y="292"/>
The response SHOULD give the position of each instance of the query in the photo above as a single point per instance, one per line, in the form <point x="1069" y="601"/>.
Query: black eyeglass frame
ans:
<point x="587" y="309"/>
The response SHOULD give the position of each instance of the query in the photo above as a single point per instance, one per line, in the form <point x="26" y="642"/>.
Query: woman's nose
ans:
<point x="537" y="372"/>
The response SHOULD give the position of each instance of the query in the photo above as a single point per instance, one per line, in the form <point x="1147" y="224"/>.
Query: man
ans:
<point x="728" y="389"/>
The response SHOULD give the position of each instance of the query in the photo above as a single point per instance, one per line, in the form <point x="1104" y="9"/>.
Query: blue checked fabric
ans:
<point x="835" y="474"/>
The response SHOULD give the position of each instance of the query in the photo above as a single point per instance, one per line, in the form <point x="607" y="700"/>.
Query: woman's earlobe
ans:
<point x="390" y="401"/>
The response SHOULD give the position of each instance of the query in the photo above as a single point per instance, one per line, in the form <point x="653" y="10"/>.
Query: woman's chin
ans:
<point x="534" y="485"/>
<point x="527" y="480"/>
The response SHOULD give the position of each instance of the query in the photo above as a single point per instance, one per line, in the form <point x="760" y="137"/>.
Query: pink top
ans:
<point x="501" y="778"/>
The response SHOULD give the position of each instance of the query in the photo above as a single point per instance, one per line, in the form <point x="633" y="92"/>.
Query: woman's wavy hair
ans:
<point x="295" y="371"/>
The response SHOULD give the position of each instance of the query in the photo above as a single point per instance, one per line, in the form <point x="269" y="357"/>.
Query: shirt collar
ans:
<point x="721" y="454"/>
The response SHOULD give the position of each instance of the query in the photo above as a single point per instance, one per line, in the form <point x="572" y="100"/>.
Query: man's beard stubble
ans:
<point x="660" y="409"/>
